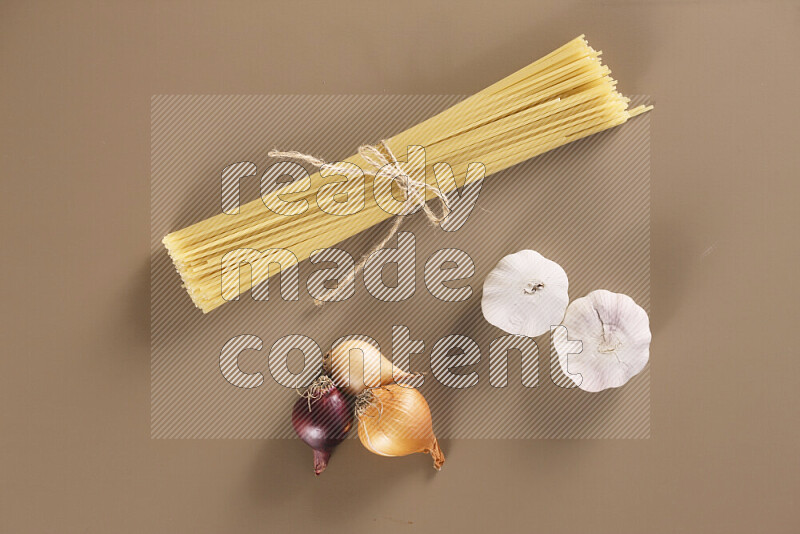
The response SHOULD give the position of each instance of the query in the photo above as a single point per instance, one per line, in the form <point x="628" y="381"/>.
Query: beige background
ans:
<point x="584" y="205"/>
<point x="74" y="399"/>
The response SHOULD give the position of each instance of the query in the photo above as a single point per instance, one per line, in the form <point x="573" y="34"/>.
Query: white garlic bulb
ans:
<point x="615" y="333"/>
<point x="525" y="294"/>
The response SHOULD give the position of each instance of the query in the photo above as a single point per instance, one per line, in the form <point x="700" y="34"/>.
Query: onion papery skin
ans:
<point x="357" y="365"/>
<point x="322" y="420"/>
<point x="395" y="420"/>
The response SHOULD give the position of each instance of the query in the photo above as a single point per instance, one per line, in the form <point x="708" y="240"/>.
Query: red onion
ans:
<point x="322" y="419"/>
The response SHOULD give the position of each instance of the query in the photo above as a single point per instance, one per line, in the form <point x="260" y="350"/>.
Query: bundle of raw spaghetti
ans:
<point x="566" y="95"/>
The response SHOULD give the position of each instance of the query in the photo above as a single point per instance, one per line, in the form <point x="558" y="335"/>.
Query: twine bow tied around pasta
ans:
<point x="566" y="95"/>
<point x="379" y="157"/>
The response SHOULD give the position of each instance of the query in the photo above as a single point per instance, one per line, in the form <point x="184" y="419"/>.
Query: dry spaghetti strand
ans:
<point x="567" y="95"/>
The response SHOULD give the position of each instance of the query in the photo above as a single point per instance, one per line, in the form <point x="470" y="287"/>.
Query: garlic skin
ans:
<point x="615" y="332"/>
<point x="525" y="294"/>
<point x="395" y="420"/>
<point x="356" y="365"/>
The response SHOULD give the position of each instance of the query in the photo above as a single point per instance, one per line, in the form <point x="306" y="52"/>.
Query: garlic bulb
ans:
<point x="525" y="294"/>
<point x="355" y="365"/>
<point x="395" y="420"/>
<point x="615" y="333"/>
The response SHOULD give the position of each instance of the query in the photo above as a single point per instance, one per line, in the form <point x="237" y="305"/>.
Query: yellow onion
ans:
<point x="356" y="365"/>
<point x="395" y="420"/>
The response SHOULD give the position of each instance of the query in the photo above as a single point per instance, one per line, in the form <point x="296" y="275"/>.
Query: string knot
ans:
<point x="379" y="157"/>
